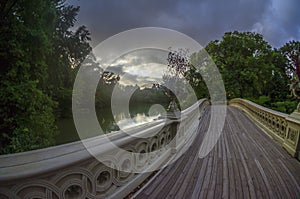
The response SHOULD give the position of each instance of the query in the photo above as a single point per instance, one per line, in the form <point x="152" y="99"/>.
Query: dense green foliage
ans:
<point x="70" y="49"/>
<point x="245" y="61"/>
<point x="252" y="69"/>
<point x="26" y="112"/>
<point x="291" y="53"/>
<point x="38" y="58"/>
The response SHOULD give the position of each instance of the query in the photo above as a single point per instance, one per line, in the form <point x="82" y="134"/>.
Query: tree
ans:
<point x="26" y="114"/>
<point x="39" y="57"/>
<point x="178" y="64"/>
<point x="69" y="50"/>
<point x="245" y="62"/>
<point x="291" y="53"/>
<point x="278" y="87"/>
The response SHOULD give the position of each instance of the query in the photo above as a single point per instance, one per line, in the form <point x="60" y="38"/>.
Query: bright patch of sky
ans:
<point x="145" y="70"/>
<point x="142" y="67"/>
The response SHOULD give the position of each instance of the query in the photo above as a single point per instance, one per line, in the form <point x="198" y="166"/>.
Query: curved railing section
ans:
<point x="282" y="127"/>
<point x="70" y="171"/>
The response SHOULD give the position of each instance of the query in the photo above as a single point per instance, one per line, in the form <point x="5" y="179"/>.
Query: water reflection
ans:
<point x="139" y="119"/>
<point x="138" y="114"/>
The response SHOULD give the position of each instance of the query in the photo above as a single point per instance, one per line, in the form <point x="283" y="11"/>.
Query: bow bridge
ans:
<point x="255" y="156"/>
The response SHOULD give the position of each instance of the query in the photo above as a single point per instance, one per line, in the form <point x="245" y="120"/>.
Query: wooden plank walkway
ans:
<point x="245" y="163"/>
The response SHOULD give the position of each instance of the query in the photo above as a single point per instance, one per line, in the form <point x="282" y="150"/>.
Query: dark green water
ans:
<point x="139" y="114"/>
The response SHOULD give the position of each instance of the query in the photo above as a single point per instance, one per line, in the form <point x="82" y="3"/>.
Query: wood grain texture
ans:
<point x="245" y="163"/>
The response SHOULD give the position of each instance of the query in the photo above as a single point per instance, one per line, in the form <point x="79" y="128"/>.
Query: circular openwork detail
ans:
<point x="34" y="195"/>
<point x="169" y="137"/>
<point x="73" y="192"/>
<point x="125" y="169"/>
<point x="153" y="147"/>
<point x="162" y="141"/>
<point x="126" y="165"/>
<point x="142" y="155"/>
<point x="103" y="178"/>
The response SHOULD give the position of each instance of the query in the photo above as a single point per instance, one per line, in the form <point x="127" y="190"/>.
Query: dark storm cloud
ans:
<point x="281" y="21"/>
<point x="203" y="20"/>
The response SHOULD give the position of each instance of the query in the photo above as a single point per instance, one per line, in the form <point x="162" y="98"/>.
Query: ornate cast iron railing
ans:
<point x="282" y="127"/>
<point x="70" y="171"/>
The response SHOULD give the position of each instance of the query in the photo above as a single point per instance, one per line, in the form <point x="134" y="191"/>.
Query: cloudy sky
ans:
<point x="141" y="67"/>
<point x="203" y="20"/>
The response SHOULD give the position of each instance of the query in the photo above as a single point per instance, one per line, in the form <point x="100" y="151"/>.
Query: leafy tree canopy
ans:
<point x="38" y="57"/>
<point x="248" y="64"/>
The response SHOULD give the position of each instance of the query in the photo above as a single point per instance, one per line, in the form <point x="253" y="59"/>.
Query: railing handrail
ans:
<point x="52" y="158"/>
<point x="192" y="107"/>
<point x="280" y="114"/>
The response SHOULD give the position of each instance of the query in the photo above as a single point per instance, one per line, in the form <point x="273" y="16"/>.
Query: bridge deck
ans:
<point x="245" y="163"/>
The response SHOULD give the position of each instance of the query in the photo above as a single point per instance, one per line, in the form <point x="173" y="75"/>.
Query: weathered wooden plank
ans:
<point x="225" y="190"/>
<point x="213" y="177"/>
<point x="200" y="180"/>
<point x="219" y="185"/>
<point x="270" y="157"/>
<point x="292" y="180"/>
<point x="189" y="180"/>
<point x="189" y="184"/>
<point x="245" y="163"/>
<point x="177" y="172"/>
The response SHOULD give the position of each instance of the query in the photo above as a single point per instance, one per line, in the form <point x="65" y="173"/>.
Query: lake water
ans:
<point x="139" y="114"/>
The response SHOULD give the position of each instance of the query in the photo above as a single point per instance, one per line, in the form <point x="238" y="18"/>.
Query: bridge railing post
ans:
<point x="292" y="140"/>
